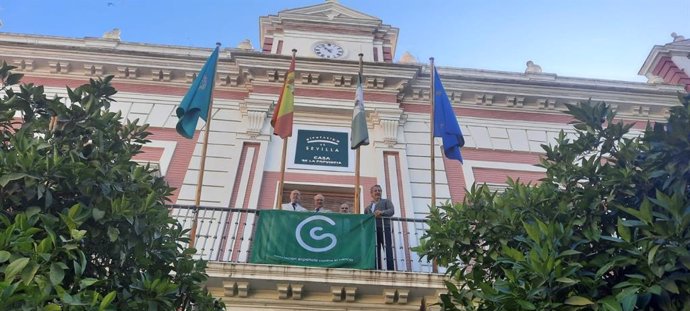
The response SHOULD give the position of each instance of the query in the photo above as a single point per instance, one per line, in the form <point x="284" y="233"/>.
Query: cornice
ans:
<point x="405" y="83"/>
<point x="311" y="287"/>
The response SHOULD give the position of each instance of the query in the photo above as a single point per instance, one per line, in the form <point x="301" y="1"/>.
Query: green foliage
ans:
<point x="606" y="229"/>
<point x="83" y="227"/>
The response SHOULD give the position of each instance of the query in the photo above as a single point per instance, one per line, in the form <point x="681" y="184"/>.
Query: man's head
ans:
<point x="295" y="196"/>
<point x="345" y="208"/>
<point x="318" y="201"/>
<point x="376" y="192"/>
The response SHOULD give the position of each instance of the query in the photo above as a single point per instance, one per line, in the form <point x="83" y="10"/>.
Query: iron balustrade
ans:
<point x="225" y="235"/>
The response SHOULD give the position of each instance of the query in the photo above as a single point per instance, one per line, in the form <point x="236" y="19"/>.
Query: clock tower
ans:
<point x="328" y="30"/>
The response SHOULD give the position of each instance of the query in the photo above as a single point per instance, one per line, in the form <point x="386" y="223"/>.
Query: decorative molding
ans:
<point x="350" y="294"/>
<point x="515" y="101"/>
<point x="283" y="290"/>
<point x="337" y="293"/>
<point x="375" y="82"/>
<point x="484" y="99"/>
<point x="310" y="78"/>
<point x="229" y="79"/>
<point x="24" y="64"/>
<point x="236" y="289"/>
<point x="189" y="77"/>
<point x="161" y="75"/>
<point x="59" y="67"/>
<point x="342" y="80"/>
<point x="127" y="72"/>
<point x="390" y="131"/>
<point x="93" y="70"/>
<point x="546" y="104"/>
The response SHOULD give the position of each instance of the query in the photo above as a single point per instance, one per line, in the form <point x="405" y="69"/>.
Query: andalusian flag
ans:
<point x="360" y="133"/>
<point x="196" y="102"/>
<point x="282" y="114"/>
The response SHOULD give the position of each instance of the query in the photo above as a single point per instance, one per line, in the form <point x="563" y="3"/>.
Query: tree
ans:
<point x="83" y="227"/>
<point x="607" y="228"/>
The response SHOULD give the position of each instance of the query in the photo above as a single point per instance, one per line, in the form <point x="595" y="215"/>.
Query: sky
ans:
<point x="601" y="39"/>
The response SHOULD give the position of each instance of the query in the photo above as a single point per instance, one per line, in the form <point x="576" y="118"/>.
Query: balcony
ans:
<point x="224" y="238"/>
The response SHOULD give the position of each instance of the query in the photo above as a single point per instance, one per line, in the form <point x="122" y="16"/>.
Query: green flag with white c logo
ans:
<point x="314" y="239"/>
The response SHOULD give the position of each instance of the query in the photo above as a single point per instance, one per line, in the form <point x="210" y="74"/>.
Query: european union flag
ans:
<point x="195" y="103"/>
<point x="445" y="123"/>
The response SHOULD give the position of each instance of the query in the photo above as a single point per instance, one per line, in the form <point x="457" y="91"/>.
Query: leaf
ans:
<point x="611" y="304"/>
<point x="527" y="305"/>
<point x="628" y="302"/>
<point x="652" y="253"/>
<point x="5" y="179"/>
<point x="113" y="234"/>
<point x="670" y="285"/>
<point x="566" y="280"/>
<point x="107" y="300"/>
<point x="569" y="252"/>
<point x="15" y="267"/>
<point x="56" y="274"/>
<point x="29" y="273"/>
<point x="77" y="234"/>
<point x="578" y="301"/>
<point x="52" y="307"/>
<point x="98" y="214"/>
<point x="4" y="256"/>
<point x="623" y="231"/>
<point x="87" y="282"/>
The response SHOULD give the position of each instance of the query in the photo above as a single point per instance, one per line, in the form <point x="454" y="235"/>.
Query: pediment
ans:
<point x="330" y="10"/>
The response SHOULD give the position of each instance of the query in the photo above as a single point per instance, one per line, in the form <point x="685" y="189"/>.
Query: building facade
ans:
<point x="505" y="118"/>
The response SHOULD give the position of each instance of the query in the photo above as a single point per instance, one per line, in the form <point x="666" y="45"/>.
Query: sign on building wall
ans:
<point x="321" y="149"/>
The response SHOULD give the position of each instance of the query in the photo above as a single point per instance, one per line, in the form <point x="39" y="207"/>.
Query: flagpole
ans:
<point x="279" y="199"/>
<point x="431" y="135"/>
<point x="358" y="153"/>
<point x="200" y="181"/>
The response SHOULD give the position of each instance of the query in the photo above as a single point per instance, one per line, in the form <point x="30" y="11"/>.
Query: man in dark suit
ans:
<point x="382" y="208"/>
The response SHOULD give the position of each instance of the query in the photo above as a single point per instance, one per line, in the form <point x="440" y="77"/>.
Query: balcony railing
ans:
<point x="226" y="234"/>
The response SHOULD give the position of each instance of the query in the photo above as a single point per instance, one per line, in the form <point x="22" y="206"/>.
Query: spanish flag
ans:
<point x="282" y="114"/>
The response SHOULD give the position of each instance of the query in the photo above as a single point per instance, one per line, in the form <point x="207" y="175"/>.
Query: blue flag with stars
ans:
<point x="445" y="123"/>
<point x="196" y="102"/>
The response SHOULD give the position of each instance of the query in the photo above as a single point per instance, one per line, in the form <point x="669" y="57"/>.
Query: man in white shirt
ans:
<point x="295" y="202"/>
<point x="319" y="201"/>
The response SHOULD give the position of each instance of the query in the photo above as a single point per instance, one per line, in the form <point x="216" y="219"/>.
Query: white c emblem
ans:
<point x="313" y="234"/>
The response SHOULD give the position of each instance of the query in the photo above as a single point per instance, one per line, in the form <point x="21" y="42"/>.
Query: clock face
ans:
<point x="328" y="50"/>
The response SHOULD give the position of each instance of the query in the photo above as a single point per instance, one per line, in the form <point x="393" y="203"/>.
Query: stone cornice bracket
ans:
<point x="641" y="110"/>
<point x="310" y="78"/>
<point x="421" y="93"/>
<point x="393" y="296"/>
<point x="547" y="104"/>
<point x="342" y="80"/>
<point x="484" y="99"/>
<point x="127" y="72"/>
<point x="229" y="79"/>
<point x="338" y="293"/>
<point x="350" y="294"/>
<point x="401" y="88"/>
<point x="254" y="112"/>
<point x="59" y="67"/>
<point x="515" y="101"/>
<point x="161" y="75"/>
<point x="375" y="82"/>
<point x="236" y="289"/>
<point x="189" y="77"/>
<point x="275" y="75"/>
<point x="24" y="64"/>
<point x="93" y="70"/>
<point x="455" y="97"/>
